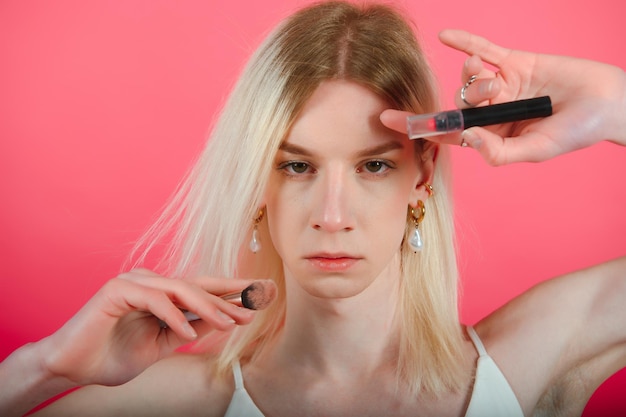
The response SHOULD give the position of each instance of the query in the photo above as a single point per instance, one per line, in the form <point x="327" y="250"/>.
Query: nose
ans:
<point x="332" y="203"/>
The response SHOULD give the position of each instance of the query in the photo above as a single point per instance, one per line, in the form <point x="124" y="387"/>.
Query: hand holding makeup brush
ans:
<point x="119" y="332"/>
<point x="588" y="97"/>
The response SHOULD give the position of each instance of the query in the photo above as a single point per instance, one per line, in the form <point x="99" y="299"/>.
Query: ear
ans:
<point x="262" y="204"/>
<point x="426" y="172"/>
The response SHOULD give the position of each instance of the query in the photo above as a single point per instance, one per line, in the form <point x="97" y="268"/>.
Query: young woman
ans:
<point x="352" y="222"/>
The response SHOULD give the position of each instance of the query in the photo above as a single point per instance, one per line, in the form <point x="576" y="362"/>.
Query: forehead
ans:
<point x="340" y="110"/>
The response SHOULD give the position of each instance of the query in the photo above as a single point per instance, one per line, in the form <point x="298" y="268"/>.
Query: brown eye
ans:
<point x="299" y="167"/>
<point x="296" y="168"/>
<point x="374" y="166"/>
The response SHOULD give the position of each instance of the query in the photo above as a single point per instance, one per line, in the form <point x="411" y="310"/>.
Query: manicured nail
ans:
<point x="486" y="87"/>
<point x="471" y="139"/>
<point x="225" y="318"/>
<point x="190" y="331"/>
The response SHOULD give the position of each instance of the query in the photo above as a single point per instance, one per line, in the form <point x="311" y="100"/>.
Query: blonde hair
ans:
<point x="213" y="210"/>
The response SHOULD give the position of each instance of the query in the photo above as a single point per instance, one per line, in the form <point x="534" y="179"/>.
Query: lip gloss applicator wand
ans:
<point x="432" y="124"/>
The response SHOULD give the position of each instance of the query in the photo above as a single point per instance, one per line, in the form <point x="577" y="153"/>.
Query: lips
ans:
<point x="333" y="262"/>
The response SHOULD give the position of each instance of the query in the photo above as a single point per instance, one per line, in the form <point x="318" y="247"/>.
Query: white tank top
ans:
<point x="492" y="395"/>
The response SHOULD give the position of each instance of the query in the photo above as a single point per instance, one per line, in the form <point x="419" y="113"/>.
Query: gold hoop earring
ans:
<point x="429" y="189"/>
<point x="417" y="215"/>
<point x="255" y="242"/>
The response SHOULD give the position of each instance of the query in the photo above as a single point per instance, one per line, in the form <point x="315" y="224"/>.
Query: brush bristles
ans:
<point x="259" y="294"/>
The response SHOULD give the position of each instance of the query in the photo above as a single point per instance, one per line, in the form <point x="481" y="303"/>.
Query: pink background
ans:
<point x="104" y="105"/>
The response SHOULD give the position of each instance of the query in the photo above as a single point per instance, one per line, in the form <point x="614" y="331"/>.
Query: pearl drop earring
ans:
<point x="417" y="215"/>
<point x="255" y="242"/>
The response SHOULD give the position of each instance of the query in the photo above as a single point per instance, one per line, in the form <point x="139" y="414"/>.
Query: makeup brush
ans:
<point x="256" y="296"/>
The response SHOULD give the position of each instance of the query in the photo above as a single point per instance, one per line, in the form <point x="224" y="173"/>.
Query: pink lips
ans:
<point x="332" y="262"/>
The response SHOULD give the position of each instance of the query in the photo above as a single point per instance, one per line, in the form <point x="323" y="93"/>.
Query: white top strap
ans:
<point x="238" y="375"/>
<point x="478" y="344"/>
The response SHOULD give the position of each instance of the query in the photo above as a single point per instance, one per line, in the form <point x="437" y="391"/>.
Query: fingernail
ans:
<point x="190" y="331"/>
<point x="225" y="318"/>
<point x="250" y="314"/>
<point x="485" y="88"/>
<point x="472" y="139"/>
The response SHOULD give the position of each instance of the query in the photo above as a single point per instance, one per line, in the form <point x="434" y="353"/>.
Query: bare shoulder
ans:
<point x="181" y="384"/>
<point x="543" y="338"/>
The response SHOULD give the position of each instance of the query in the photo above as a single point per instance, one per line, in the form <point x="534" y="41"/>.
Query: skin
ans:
<point x="341" y="264"/>
<point x="117" y="335"/>
<point x="548" y="342"/>
<point x="588" y="101"/>
<point x="341" y="260"/>
<point x="555" y="343"/>
<point x="335" y="178"/>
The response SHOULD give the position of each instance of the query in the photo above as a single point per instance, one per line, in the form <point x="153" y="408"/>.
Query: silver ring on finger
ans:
<point x="467" y="84"/>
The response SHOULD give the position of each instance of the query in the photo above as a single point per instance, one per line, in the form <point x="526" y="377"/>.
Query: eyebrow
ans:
<point x="294" y="149"/>
<point x="379" y="149"/>
<point x="374" y="150"/>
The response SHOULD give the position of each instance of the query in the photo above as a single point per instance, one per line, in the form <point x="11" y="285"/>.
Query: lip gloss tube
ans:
<point x="432" y="124"/>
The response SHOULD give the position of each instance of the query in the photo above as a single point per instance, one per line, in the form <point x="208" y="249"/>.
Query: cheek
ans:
<point x="391" y="214"/>
<point x="284" y="218"/>
<point x="279" y="226"/>
<point x="390" y="220"/>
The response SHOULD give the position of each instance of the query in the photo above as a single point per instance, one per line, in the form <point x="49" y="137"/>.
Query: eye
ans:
<point x="295" y="167"/>
<point x="299" y="167"/>
<point x="375" y="167"/>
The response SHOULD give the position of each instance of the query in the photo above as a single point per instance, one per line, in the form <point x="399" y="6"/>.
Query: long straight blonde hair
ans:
<point x="209" y="221"/>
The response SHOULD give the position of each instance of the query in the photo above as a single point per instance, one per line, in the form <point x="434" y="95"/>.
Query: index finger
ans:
<point x="221" y="286"/>
<point x="474" y="45"/>
<point x="396" y="120"/>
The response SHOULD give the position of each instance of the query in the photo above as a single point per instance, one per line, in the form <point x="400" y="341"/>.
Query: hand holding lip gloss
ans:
<point x="432" y="124"/>
<point x="588" y="109"/>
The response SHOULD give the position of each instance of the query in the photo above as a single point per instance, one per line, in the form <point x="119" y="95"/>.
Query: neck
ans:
<point x="342" y="335"/>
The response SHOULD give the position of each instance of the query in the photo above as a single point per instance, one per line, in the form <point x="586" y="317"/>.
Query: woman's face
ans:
<point x="339" y="192"/>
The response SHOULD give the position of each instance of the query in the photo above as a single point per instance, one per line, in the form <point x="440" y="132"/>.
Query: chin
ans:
<point x="335" y="287"/>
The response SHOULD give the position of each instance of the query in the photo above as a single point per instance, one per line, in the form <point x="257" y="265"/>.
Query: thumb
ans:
<point x="532" y="146"/>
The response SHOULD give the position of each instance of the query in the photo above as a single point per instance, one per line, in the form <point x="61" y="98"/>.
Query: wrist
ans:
<point x="27" y="382"/>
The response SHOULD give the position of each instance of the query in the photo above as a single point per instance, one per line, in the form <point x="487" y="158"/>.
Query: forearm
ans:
<point x="617" y="120"/>
<point x="25" y="382"/>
